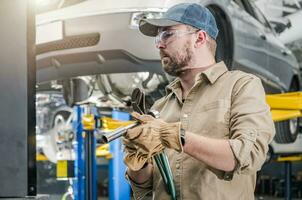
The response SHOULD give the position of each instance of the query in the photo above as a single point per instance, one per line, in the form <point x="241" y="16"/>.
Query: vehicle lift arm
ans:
<point x="285" y="107"/>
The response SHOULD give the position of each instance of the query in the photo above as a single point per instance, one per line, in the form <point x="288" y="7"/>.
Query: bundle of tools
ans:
<point x="138" y="101"/>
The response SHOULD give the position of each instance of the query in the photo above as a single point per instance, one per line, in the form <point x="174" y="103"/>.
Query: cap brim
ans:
<point x="150" y="27"/>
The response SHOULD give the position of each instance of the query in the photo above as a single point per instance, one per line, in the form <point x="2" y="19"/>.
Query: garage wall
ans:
<point x="17" y="105"/>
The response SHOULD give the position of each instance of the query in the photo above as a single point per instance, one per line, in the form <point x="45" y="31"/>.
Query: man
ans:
<point x="214" y="124"/>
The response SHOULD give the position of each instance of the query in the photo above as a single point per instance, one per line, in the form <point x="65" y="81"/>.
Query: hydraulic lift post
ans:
<point x="284" y="107"/>
<point x="288" y="173"/>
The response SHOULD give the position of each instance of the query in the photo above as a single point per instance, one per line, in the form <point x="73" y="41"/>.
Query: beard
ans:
<point x="174" y="64"/>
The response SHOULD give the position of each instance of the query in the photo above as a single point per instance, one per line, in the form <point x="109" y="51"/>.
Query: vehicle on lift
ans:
<point x="101" y="37"/>
<point x="52" y="114"/>
<point x="51" y="110"/>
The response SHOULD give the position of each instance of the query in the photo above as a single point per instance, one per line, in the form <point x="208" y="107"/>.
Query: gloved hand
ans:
<point x="134" y="158"/>
<point x="169" y="132"/>
<point x="141" y="144"/>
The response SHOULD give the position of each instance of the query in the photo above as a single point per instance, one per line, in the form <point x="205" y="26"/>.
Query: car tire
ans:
<point x="224" y="40"/>
<point x="287" y="131"/>
<point x="269" y="155"/>
<point x="50" y="148"/>
<point x="60" y="118"/>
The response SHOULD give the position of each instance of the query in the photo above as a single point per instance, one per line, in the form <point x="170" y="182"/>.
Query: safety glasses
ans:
<point x="164" y="37"/>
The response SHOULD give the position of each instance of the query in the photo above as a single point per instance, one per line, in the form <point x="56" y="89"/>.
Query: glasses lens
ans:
<point x="163" y="36"/>
<point x="166" y="35"/>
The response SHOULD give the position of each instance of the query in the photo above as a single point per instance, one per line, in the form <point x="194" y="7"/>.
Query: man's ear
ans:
<point x="201" y="38"/>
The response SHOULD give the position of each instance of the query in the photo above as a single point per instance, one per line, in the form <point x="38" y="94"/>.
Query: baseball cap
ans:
<point x="185" y="13"/>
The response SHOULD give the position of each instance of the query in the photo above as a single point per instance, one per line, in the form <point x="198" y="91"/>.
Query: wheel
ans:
<point x="287" y="131"/>
<point x="59" y="124"/>
<point x="225" y="46"/>
<point x="269" y="155"/>
<point x="55" y="136"/>
<point x="60" y="118"/>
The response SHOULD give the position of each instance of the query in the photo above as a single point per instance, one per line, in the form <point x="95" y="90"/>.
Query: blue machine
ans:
<point x="79" y="165"/>
<point x="84" y="185"/>
<point x="119" y="188"/>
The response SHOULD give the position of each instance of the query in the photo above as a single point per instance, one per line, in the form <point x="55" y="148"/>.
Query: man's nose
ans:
<point x="160" y="45"/>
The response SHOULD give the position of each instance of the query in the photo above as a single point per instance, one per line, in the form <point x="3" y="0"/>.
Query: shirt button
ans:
<point x="177" y="165"/>
<point x="227" y="177"/>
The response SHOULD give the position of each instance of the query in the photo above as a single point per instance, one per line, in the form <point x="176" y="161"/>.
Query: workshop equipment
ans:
<point x="117" y="133"/>
<point x="85" y="123"/>
<point x="65" y="169"/>
<point x="84" y="185"/>
<point x="288" y="172"/>
<point x="119" y="188"/>
<point x="89" y="125"/>
<point x="139" y="105"/>
<point x="284" y="107"/>
<point x="78" y="182"/>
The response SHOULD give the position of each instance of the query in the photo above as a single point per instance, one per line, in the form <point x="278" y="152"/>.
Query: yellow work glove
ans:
<point x="169" y="133"/>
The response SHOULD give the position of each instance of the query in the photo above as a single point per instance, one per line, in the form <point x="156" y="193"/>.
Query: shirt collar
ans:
<point x="175" y="87"/>
<point x="212" y="74"/>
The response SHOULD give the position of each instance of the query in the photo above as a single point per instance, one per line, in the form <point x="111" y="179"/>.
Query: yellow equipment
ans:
<point x="285" y="106"/>
<point x="110" y="124"/>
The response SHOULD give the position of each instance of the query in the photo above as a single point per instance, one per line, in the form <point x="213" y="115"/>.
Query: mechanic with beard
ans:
<point x="215" y="125"/>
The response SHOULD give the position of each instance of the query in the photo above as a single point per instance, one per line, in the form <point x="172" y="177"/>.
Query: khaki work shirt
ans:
<point x="222" y="104"/>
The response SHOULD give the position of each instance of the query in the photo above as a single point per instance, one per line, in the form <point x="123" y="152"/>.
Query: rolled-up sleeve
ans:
<point x="251" y="125"/>
<point x="140" y="190"/>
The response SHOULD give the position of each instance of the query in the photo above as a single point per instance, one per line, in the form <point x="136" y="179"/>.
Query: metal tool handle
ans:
<point x="110" y="136"/>
<point x="163" y="165"/>
<point x="161" y="159"/>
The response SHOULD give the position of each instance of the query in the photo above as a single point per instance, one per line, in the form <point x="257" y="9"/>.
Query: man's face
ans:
<point x="176" y="49"/>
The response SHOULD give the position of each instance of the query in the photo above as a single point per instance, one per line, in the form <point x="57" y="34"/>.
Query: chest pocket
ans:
<point x="212" y="119"/>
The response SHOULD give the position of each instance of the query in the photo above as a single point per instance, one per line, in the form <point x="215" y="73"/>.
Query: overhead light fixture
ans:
<point x="49" y="32"/>
<point x="43" y="3"/>
<point x="137" y="16"/>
